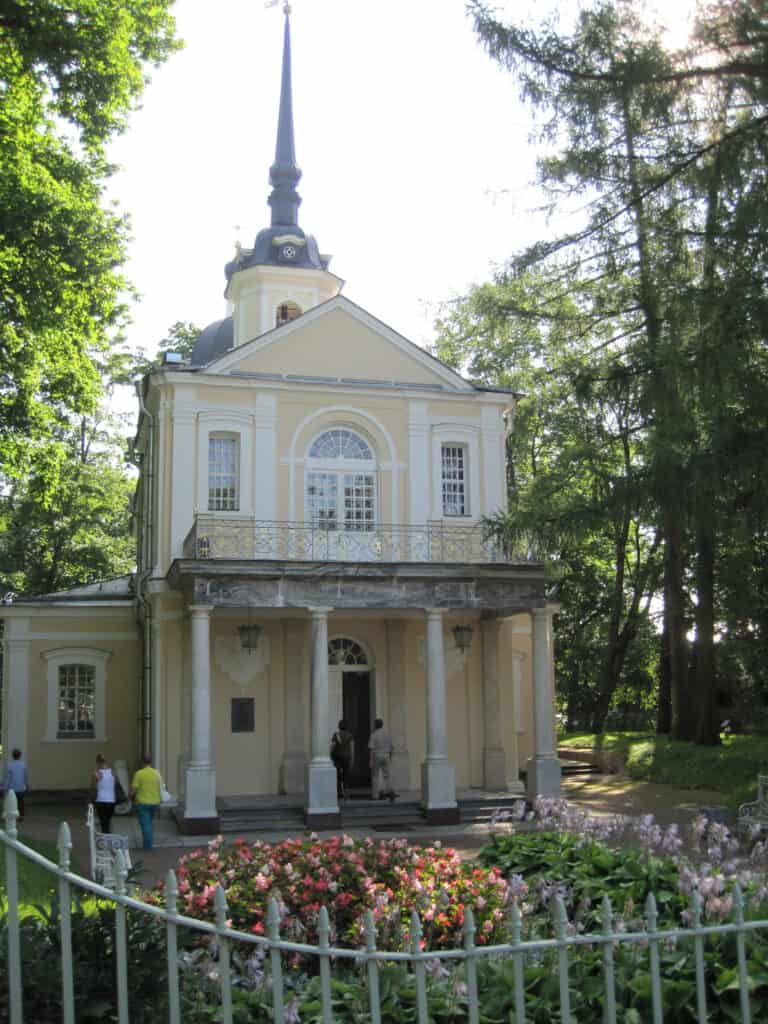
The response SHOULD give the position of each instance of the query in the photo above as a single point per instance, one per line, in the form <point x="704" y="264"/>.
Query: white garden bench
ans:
<point x="104" y="847"/>
<point x="753" y="816"/>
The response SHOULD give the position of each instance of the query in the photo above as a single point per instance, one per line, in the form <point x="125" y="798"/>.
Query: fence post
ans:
<point x="65" y="927"/>
<point x="698" y="945"/>
<point x="225" y="971"/>
<point x="374" y="998"/>
<point x="652" y="917"/>
<point x="11" y="813"/>
<point x="517" y="965"/>
<point x="418" y="969"/>
<point x="470" y="965"/>
<point x="609" y="1013"/>
<point x="323" y="932"/>
<point x="121" y="941"/>
<point x="171" y="946"/>
<point x="273" y="932"/>
<point x="741" y="952"/>
<point x="561" y="928"/>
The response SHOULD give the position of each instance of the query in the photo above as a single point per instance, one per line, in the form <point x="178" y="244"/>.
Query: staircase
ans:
<point x="285" y="814"/>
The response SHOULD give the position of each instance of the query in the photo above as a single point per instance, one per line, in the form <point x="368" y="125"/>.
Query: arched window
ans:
<point x="341" y="482"/>
<point x="286" y="312"/>
<point x="343" y="651"/>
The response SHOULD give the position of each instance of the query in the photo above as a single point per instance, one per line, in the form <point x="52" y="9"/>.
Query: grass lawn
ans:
<point x="731" y="768"/>
<point x="35" y="884"/>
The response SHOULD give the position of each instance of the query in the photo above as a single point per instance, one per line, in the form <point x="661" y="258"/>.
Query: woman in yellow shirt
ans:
<point x="145" y="789"/>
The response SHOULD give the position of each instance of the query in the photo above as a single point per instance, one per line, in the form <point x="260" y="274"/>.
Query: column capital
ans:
<point x="434" y="613"/>
<point x="548" y="611"/>
<point x="319" y="613"/>
<point x="199" y="611"/>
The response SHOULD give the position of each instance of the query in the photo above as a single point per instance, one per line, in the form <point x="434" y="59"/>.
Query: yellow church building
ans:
<point x="310" y="547"/>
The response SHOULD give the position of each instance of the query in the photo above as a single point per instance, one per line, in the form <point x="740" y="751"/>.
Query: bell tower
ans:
<point x="284" y="274"/>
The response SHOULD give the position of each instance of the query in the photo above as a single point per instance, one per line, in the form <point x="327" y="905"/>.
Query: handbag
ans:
<point x="120" y="797"/>
<point x="165" y="796"/>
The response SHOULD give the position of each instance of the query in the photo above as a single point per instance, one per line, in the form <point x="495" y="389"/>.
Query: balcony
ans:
<point x="215" y="537"/>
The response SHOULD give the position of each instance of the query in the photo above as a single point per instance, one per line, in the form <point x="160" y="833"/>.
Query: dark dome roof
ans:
<point x="213" y="341"/>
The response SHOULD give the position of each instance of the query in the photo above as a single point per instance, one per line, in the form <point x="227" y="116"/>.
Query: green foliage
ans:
<point x="69" y="77"/>
<point x="730" y="768"/>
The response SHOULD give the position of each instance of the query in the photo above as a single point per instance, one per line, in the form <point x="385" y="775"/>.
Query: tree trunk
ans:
<point x="664" y="710"/>
<point x="708" y="726"/>
<point x="683" y="713"/>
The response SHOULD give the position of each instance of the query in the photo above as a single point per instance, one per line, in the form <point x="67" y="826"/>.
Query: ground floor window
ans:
<point x="77" y="701"/>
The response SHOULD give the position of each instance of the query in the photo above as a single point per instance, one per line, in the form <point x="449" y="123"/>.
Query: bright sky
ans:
<point x="413" y="145"/>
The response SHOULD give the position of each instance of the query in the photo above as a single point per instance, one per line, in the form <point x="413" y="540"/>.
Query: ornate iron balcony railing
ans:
<point x="215" y="536"/>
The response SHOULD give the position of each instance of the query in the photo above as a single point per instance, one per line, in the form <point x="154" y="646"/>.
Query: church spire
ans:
<point x="284" y="174"/>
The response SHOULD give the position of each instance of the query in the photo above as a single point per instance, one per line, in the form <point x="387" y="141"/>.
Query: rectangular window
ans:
<point x="358" y="501"/>
<point x="454" y="476"/>
<point x="243" y="717"/>
<point x="223" y="474"/>
<point x="322" y="500"/>
<point x="77" y="701"/>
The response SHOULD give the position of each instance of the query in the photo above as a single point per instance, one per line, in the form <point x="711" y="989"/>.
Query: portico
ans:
<point x="283" y="595"/>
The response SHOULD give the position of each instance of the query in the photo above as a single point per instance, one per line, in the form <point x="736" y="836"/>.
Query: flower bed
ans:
<point x="347" y="876"/>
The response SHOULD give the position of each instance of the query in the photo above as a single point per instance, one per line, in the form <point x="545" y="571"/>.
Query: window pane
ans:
<point x="322" y="499"/>
<point x="454" y="480"/>
<point x="77" y="699"/>
<point x="223" y="474"/>
<point x="358" y="501"/>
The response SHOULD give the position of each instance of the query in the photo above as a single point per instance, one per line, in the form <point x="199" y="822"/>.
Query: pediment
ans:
<point x="339" y="340"/>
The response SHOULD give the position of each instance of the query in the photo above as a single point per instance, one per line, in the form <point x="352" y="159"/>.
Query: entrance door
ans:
<point x="356" y="700"/>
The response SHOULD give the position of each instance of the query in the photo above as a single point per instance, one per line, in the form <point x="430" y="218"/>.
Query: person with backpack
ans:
<point x="343" y="756"/>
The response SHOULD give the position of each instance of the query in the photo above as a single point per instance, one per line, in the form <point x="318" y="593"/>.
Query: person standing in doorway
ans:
<point x="103" y="781"/>
<point x="343" y="756"/>
<point x="16" y="779"/>
<point x="380" y="745"/>
<point x="145" y="790"/>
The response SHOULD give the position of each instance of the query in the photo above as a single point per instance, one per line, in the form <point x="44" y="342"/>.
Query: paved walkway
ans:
<point x="601" y="794"/>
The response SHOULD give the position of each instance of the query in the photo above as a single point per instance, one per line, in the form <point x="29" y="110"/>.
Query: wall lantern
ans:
<point x="462" y="635"/>
<point x="250" y="634"/>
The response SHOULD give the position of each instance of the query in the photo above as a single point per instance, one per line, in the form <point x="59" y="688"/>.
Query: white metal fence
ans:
<point x="278" y="951"/>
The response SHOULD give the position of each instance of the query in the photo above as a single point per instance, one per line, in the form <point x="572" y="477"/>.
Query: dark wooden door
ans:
<point x="356" y="704"/>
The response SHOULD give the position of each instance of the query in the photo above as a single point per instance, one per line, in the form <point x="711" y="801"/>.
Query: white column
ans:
<point x="494" y="758"/>
<point x="514" y="784"/>
<point x="494" y="468"/>
<point x="438" y="775"/>
<point x="398" y="708"/>
<point x="16" y="687"/>
<point x="265" y="457"/>
<point x="200" y="793"/>
<point x="544" y="767"/>
<point x="322" y="806"/>
<point x="294" y="759"/>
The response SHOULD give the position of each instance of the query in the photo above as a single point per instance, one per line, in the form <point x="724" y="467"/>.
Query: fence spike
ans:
<point x="64" y="845"/>
<point x="419" y="971"/>
<point x="738" y="905"/>
<point x="323" y="935"/>
<point x="561" y="931"/>
<point x="696" y="909"/>
<point x="220" y="907"/>
<point x="698" y="951"/>
<point x="11" y="813"/>
<point x="606" y="914"/>
<point x="561" y="917"/>
<point x="651" y="913"/>
<point x="609" y="976"/>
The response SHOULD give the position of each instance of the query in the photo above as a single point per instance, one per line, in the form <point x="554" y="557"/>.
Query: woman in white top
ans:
<point x="104" y="783"/>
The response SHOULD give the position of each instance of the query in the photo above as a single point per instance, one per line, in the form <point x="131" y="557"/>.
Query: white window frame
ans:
<point x="457" y="436"/>
<point x="341" y="467"/>
<point x="92" y="658"/>
<point x="226" y="424"/>
<point x="460" y="454"/>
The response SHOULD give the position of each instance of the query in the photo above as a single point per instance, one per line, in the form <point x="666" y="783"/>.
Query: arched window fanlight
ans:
<point x="340" y="444"/>
<point x="342" y="651"/>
